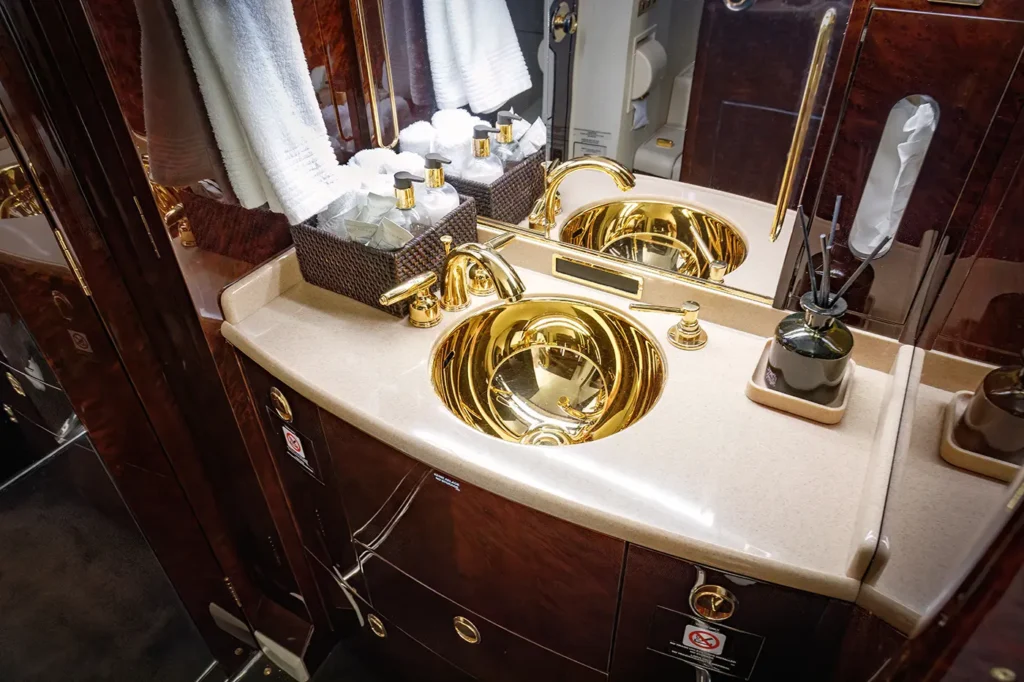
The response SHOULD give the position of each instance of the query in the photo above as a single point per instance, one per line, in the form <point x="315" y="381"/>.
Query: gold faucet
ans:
<point x="455" y="274"/>
<point x="542" y="217"/>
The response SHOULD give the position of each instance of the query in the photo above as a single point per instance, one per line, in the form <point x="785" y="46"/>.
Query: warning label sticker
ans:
<point x="711" y="647"/>
<point x="589" y="142"/>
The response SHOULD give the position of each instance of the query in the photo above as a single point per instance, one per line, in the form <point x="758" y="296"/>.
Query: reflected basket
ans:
<point x="511" y="197"/>
<point x="364" y="273"/>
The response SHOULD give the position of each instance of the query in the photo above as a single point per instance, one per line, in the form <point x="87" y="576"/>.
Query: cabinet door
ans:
<point x="542" y="578"/>
<point x="959" y="64"/>
<point x="300" y="454"/>
<point x="774" y="633"/>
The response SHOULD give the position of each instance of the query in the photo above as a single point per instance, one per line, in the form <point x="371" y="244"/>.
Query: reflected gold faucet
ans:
<point x="455" y="274"/>
<point x="542" y="217"/>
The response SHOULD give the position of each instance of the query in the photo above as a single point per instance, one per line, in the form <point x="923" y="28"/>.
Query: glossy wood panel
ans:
<point x="905" y="53"/>
<point x="657" y="586"/>
<point x="497" y="656"/>
<point x="748" y="82"/>
<point x="542" y="578"/>
<point x="397" y="656"/>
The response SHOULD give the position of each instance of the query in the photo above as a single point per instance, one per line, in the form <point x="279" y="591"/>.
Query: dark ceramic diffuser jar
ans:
<point x="993" y="423"/>
<point x="810" y="351"/>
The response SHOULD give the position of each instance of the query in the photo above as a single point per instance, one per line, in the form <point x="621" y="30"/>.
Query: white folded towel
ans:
<point x="253" y="75"/>
<point x="487" y="51"/>
<point x="444" y="69"/>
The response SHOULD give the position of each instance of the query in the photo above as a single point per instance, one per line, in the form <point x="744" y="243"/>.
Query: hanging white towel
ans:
<point x="487" y="51"/>
<point x="253" y="75"/>
<point x="444" y="70"/>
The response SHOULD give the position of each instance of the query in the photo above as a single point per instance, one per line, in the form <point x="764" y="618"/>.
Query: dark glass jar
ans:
<point x="809" y="353"/>
<point x="993" y="423"/>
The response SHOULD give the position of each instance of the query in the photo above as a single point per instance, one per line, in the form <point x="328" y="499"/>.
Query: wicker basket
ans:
<point x="360" y="272"/>
<point x="249" y="234"/>
<point x="511" y="197"/>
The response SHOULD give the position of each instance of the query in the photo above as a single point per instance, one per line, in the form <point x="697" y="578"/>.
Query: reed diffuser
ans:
<point x="811" y="350"/>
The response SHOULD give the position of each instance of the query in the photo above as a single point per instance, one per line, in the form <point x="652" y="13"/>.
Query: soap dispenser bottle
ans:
<point x="993" y="423"/>
<point x="405" y="213"/>
<point x="507" y="149"/>
<point x="438" y="198"/>
<point x="482" y="167"/>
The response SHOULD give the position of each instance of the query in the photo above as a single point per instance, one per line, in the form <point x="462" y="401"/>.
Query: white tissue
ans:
<point x="417" y="138"/>
<point x="639" y="107"/>
<point x="535" y="139"/>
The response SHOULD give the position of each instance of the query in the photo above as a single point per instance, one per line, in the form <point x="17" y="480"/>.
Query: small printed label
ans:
<point x="703" y="640"/>
<point x="715" y="648"/>
<point x="441" y="478"/>
<point x="294" y="443"/>
<point x="589" y="142"/>
<point x="770" y="378"/>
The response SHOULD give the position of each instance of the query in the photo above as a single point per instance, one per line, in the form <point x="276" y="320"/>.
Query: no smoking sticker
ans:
<point x="703" y="640"/>
<point x="295" y="449"/>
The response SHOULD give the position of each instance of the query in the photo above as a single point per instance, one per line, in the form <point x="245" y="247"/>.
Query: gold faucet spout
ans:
<point x="455" y="285"/>
<point x="542" y="217"/>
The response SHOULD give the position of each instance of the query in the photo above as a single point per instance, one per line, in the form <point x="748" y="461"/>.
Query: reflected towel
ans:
<point x="253" y="75"/>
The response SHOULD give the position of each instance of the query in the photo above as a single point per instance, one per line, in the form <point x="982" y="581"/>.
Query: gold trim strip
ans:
<point x="371" y="81"/>
<point x="145" y="224"/>
<point x="555" y="258"/>
<point x="72" y="263"/>
<point x="803" y="120"/>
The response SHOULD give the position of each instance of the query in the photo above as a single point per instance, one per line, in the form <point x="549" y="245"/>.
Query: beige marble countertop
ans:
<point x="707" y="475"/>
<point x="936" y="514"/>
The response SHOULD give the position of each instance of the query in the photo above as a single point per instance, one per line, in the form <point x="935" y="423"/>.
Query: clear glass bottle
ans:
<point x="810" y="351"/>
<point x="405" y="213"/>
<point x="506" y="148"/>
<point x="483" y="167"/>
<point x="993" y="423"/>
<point x="437" y="198"/>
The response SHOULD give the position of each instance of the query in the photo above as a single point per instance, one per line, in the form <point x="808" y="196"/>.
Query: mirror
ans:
<point x="712" y="106"/>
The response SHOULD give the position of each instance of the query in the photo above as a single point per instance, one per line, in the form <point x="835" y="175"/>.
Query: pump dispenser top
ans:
<point x="405" y="214"/>
<point x="438" y="198"/>
<point x="483" y="167"/>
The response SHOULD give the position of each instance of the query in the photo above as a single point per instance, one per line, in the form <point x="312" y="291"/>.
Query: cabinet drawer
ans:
<point x="397" y="656"/>
<point x="485" y="650"/>
<point x="774" y="632"/>
<point x="545" y="579"/>
<point x="303" y="463"/>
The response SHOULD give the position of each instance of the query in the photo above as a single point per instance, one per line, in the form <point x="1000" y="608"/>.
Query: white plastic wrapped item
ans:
<point x="535" y="138"/>
<point x="901" y="152"/>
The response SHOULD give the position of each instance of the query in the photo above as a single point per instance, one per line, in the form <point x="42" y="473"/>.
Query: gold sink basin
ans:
<point x="662" y="234"/>
<point x="548" y="371"/>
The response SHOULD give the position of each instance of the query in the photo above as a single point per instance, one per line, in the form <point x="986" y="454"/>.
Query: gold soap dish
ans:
<point x="966" y="459"/>
<point x="823" y="414"/>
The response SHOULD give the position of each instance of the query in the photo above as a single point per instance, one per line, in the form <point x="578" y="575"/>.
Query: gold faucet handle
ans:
<point x="501" y="241"/>
<point x="687" y="334"/>
<point x="424" y="311"/>
<point x="717" y="271"/>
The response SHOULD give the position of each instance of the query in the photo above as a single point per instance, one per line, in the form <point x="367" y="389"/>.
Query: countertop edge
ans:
<point x="838" y="586"/>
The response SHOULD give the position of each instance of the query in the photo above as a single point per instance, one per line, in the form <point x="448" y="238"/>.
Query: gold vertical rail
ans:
<point x="371" y="81"/>
<point x="803" y="119"/>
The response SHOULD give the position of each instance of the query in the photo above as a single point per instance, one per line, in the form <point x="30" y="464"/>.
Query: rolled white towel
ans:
<point x="452" y="119"/>
<point x="417" y="138"/>
<point x="457" y="145"/>
<point x="409" y="162"/>
<point x="375" y="160"/>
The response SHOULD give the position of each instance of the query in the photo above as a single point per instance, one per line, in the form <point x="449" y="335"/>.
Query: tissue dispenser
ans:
<point x="364" y="273"/>
<point x="510" y="197"/>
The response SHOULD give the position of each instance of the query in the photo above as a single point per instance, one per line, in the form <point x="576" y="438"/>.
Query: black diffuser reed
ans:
<point x="811" y="350"/>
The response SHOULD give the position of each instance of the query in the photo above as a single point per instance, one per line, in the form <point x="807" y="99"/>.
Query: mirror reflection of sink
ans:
<point x="548" y="371"/>
<point x="662" y="234"/>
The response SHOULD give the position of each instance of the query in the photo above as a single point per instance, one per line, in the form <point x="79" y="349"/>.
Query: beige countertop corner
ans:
<point x="707" y="475"/>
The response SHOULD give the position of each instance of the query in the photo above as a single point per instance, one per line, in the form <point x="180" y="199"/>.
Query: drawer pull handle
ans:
<point x="280" y="403"/>
<point x="466" y="630"/>
<point x="15" y="384"/>
<point x="712" y="602"/>
<point x="376" y="626"/>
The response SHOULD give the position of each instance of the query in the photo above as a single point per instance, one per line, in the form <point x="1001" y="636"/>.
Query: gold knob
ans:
<point x="376" y="626"/>
<point x="717" y="271"/>
<point x="280" y="404"/>
<point x="10" y="414"/>
<point x="15" y="384"/>
<point x="480" y="282"/>
<point x="687" y="334"/>
<point x="466" y="630"/>
<point x="446" y="241"/>
<point x="425" y="310"/>
<point x="712" y="602"/>
<point x="1003" y="674"/>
